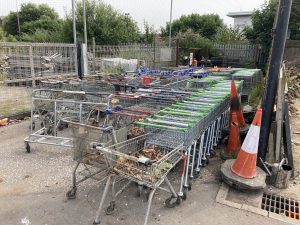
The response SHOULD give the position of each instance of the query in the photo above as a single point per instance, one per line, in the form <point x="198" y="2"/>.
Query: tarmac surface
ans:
<point x="33" y="192"/>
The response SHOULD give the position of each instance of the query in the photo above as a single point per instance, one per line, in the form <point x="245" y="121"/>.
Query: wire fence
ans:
<point x="240" y="55"/>
<point x="24" y="65"/>
<point x="32" y="62"/>
<point x="117" y="58"/>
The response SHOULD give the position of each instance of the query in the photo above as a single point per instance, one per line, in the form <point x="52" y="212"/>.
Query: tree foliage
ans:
<point x="190" y="39"/>
<point x="37" y="23"/>
<point x="226" y="35"/>
<point x="6" y="38"/>
<point x="263" y="21"/>
<point x="204" y="25"/>
<point x="106" y="24"/>
<point x="149" y="34"/>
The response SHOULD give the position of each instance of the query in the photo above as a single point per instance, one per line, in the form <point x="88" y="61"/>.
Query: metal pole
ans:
<point x="84" y="21"/>
<point x="170" y="25"/>
<point x="278" y="45"/>
<point x="18" y="18"/>
<point x="74" y="21"/>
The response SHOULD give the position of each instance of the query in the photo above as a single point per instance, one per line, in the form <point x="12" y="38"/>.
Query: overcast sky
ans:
<point x="156" y="12"/>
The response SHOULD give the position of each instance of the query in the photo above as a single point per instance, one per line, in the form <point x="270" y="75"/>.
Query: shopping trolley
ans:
<point x="143" y="162"/>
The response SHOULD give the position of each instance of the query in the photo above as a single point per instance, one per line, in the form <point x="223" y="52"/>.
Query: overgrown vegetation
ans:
<point x="256" y="93"/>
<point x="263" y="21"/>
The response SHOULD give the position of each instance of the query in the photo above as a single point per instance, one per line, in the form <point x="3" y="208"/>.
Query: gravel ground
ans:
<point x="33" y="187"/>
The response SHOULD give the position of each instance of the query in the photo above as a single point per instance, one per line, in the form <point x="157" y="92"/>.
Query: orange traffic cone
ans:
<point x="245" y="164"/>
<point x="234" y="140"/>
<point x="235" y="104"/>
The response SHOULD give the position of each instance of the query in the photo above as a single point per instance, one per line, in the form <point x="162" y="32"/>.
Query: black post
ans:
<point x="287" y="138"/>
<point x="79" y="60"/>
<point x="278" y="45"/>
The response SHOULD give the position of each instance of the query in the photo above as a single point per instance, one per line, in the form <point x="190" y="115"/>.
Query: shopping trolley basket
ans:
<point x="139" y="161"/>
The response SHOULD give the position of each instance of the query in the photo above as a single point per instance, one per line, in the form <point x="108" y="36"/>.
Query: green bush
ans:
<point x="256" y="94"/>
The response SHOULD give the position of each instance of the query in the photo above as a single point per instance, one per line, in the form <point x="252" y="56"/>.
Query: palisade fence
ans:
<point x="240" y="55"/>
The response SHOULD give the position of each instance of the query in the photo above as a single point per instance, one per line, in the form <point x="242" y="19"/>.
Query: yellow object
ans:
<point x="4" y="122"/>
<point x="114" y="101"/>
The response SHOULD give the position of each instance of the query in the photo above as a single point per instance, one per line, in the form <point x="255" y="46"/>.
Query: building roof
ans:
<point x="241" y="13"/>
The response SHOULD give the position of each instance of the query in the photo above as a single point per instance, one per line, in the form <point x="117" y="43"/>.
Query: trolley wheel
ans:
<point x="184" y="197"/>
<point x="190" y="186"/>
<point x="72" y="193"/>
<point x="32" y="125"/>
<point x="61" y="127"/>
<point x="172" y="202"/>
<point x="196" y="175"/>
<point x="50" y="131"/>
<point x="42" y="124"/>
<point x="110" y="209"/>
<point x="139" y="190"/>
<point x="27" y="147"/>
<point x="213" y="153"/>
<point x="207" y="161"/>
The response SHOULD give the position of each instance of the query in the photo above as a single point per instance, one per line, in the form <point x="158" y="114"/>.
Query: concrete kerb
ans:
<point x="221" y="199"/>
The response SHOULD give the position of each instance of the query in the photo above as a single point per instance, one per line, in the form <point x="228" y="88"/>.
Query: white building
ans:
<point x="241" y="19"/>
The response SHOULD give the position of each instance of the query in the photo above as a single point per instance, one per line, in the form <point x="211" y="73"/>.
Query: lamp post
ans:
<point x="74" y="21"/>
<point x="84" y="21"/>
<point x="18" y="18"/>
<point x="170" y="24"/>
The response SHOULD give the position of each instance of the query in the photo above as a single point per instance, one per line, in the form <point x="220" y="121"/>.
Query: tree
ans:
<point x="294" y="24"/>
<point x="149" y="35"/>
<point x="4" y="37"/>
<point x="39" y="21"/>
<point x="262" y="24"/>
<point x="204" y="25"/>
<point x="226" y="35"/>
<point x="190" y="39"/>
<point x="263" y="21"/>
<point x="106" y="24"/>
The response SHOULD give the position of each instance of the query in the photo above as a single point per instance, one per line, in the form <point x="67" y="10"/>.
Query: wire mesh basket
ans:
<point x="139" y="160"/>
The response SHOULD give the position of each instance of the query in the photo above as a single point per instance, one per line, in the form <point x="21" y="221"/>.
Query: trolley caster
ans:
<point x="184" y="197"/>
<point x="207" y="161"/>
<point x="196" y="175"/>
<point x="110" y="209"/>
<point x="172" y="201"/>
<point x="188" y="187"/>
<point x="72" y="193"/>
<point x="61" y="127"/>
<point x="139" y="190"/>
<point x="96" y="223"/>
<point x="50" y="131"/>
<point x="27" y="147"/>
<point x="213" y="153"/>
<point x="32" y="126"/>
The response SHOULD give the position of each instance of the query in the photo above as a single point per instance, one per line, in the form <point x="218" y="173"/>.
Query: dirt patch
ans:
<point x="293" y="80"/>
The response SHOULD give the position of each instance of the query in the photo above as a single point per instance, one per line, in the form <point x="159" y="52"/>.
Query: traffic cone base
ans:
<point x="240" y="183"/>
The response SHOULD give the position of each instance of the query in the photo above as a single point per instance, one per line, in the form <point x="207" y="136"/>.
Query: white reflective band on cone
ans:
<point x="250" y="144"/>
